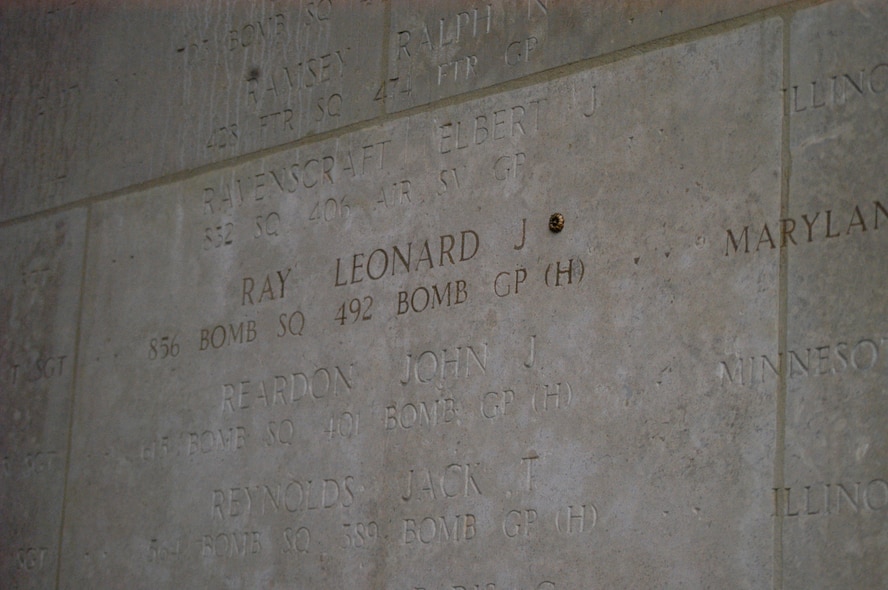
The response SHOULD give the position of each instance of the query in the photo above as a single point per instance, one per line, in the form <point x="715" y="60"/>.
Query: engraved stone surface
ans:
<point x="241" y="408"/>
<point x="39" y="300"/>
<point x="833" y="502"/>
<point x="369" y="362"/>
<point x="530" y="295"/>
<point x="446" y="48"/>
<point x="99" y="96"/>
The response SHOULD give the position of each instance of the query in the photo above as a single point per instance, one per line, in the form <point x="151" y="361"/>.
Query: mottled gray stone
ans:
<point x="39" y="301"/>
<point x="344" y="349"/>
<point x="834" y="501"/>
<point x="101" y="96"/>
<point x="181" y="254"/>
<point x="536" y="410"/>
<point x="442" y="49"/>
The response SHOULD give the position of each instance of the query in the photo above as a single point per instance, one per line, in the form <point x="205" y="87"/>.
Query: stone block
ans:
<point x="441" y="49"/>
<point x="41" y="262"/>
<point x="101" y="96"/>
<point x="833" y="499"/>
<point x="369" y="361"/>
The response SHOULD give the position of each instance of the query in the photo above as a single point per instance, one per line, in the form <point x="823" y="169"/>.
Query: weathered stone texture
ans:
<point x="283" y="305"/>
<point x="41" y="265"/>
<point x="835" y="496"/>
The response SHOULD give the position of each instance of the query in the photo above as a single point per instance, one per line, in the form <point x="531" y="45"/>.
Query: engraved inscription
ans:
<point x="354" y="310"/>
<point x="495" y="403"/>
<point x="544" y="399"/>
<point x="296" y="540"/>
<point x="268" y="288"/>
<point x="219" y="439"/>
<point x="801" y="363"/>
<point x="451" y="30"/>
<point x="576" y="519"/>
<point x="31" y="559"/>
<point x="429" y="365"/>
<point x="515" y="121"/>
<point x="225" y="335"/>
<point x="396" y="194"/>
<point x="223" y="136"/>
<point x="509" y="166"/>
<point x="269" y="30"/>
<point x="454" y="481"/>
<point x="515" y="409"/>
<point x="509" y="282"/>
<point x="40" y="369"/>
<point x="449" y="180"/>
<point x="552" y="396"/>
<point x="455" y="50"/>
<point x="344" y="425"/>
<point x="283" y="67"/>
<point x="360" y="535"/>
<point x="814" y="227"/>
<point x="287" y="389"/>
<point x="447" y="249"/>
<point x="518" y="523"/>
<point x="421" y="414"/>
<point x="231" y="544"/>
<point x="281" y="82"/>
<point x="832" y="499"/>
<point x="160" y="551"/>
<point x="30" y="464"/>
<point x="163" y="347"/>
<point x="288" y="496"/>
<point x="330" y="210"/>
<point x="520" y="51"/>
<point x="837" y="90"/>
<point x="570" y="519"/>
<point x="529" y="461"/>
<point x="290" y="324"/>
<point x="429" y="530"/>
<point x="231" y="192"/>
<point x="195" y="442"/>
<point x="561" y="274"/>
<point x="246" y="332"/>
<point x="419" y="299"/>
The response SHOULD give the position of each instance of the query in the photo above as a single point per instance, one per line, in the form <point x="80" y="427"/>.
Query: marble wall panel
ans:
<point x="40" y="296"/>
<point x="369" y="361"/>
<point x="833" y="500"/>
<point x="99" y="96"/>
<point x="447" y="48"/>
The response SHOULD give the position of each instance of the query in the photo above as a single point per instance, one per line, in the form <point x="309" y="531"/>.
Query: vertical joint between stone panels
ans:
<point x="782" y="294"/>
<point x="73" y="397"/>
<point x="380" y="557"/>
<point x="384" y="68"/>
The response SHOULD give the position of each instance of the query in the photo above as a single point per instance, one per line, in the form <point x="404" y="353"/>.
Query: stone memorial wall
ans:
<point x="530" y="295"/>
